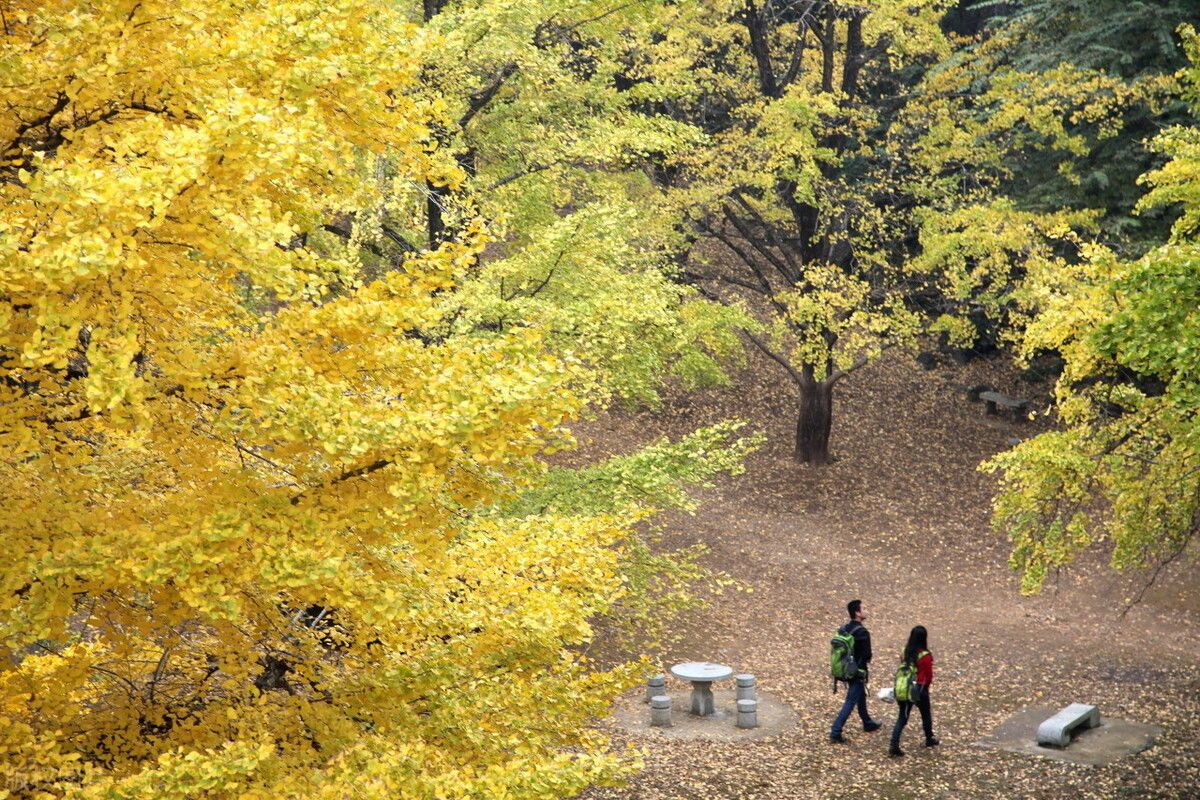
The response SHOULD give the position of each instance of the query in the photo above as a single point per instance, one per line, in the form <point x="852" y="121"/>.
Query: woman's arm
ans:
<point x="925" y="669"/>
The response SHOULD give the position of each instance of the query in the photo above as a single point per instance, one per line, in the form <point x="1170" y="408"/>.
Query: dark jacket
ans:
<point x="862" y="643"/>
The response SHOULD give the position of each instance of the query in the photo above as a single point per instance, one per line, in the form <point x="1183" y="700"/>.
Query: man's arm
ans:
<point x="862" y="646"/>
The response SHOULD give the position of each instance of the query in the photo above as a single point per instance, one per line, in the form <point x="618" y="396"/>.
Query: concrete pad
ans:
<point x="1114" y="738"/>
<point x="633" y="714"/>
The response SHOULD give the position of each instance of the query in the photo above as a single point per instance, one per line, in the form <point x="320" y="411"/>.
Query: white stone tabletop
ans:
<point x="701" y="671"/>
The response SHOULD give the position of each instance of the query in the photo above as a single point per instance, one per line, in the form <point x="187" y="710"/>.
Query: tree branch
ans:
<point x="784" y="269"/>
<point x="828" y="44"/>
<point x="853" y="60"/>
<point x="859" y="363"/>
<point x="803" y="29"/>
<point x="346" y="234"/>
<point x="507" y="179"/>
<point x="769" y="230"/>
<point x="596" y="18"/>
<point x="725" y="278"/>
<point x="398" y="239"/>
<point x="761" y="49"/>
<point x="243" y="449"/>
<point x="481" y="98"/>
<point x="764" y="285"/>
<point x="345" y="476"/>
<point x="783" y="362"/>
<point x="540" y="286"/>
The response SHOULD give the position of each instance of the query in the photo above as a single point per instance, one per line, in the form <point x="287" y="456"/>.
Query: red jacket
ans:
<point x="925" y="669"/>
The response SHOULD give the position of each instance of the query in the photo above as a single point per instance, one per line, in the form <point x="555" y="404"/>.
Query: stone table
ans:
<point x="702" y="674"/>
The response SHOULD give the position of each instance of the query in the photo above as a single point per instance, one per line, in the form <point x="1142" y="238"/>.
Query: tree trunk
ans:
<point x="432" y="8"/>
<point x="435" y="225"/>
<point x="813" y="422"/>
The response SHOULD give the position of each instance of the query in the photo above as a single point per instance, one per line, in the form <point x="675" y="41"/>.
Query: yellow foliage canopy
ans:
<point x="1125" y="467"/>
<point x="239" y="555"/>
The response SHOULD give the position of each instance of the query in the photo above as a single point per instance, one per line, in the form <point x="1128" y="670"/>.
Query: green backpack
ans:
<point x="842" y="664"/>
<point x="905" y="683"/>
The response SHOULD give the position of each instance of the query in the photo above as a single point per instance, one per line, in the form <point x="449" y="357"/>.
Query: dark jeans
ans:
<point x="856" y="695"/>
<point x="902" y="720"/>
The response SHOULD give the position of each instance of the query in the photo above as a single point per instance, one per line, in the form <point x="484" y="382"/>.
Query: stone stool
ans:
<point x="747" y="713"/>
<point x="660" y="711"/>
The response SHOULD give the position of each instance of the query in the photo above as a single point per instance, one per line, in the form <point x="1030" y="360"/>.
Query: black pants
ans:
<point x="905" y="709"/>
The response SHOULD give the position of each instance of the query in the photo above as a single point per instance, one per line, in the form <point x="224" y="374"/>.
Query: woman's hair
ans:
<point x="918" y="640"/>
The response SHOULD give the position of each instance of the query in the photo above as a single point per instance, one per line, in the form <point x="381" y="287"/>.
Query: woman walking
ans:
<point x="916" y="652"/>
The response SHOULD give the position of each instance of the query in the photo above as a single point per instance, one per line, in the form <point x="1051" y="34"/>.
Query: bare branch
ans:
<point x="793" y="70"/>
<point x="597" y="18"/>
<point x="761" y="49"/>
<point x="264" y="459"/>
<point x="398" y="239"/>
<point x="764" y="285"/>
<point x="783" y="362"/>
<point x="540" y="286"/>
<point x="1182" y="546"/>
<point x="346" y="234"/>
<point x="158" y="671"/>
<point x="784" y="269"/>
<point x="345" y="476"/>
<point x="793" y="272"/>
<point x="724" y="278"/>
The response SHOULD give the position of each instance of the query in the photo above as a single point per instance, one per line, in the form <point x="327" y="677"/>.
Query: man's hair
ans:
<point x="854" y="606"/>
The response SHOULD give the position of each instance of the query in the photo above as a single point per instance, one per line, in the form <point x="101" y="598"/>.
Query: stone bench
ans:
<point x="970" y="391"/>
<point x="1056" y="731"/>
<point x="1020" y="408"/>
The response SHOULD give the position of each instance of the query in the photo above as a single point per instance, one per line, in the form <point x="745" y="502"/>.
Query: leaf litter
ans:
<point x="901" y="520"/>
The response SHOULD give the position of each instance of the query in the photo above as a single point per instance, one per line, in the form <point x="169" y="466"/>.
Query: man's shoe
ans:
<point x="872" y="726"/>
<point x="895" y="752"/>
<point x="838" y="739"/>
<point x="931" y="742"/>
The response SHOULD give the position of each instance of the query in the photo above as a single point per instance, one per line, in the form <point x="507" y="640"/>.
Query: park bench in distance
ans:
<point x="972" y="392"/>
<point x="1019" y="408"/>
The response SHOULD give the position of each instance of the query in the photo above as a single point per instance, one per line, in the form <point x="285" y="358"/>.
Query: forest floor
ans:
<point x="901" y="520"/>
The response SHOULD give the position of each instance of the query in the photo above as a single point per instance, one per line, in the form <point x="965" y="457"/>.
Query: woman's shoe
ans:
<point x="895" y="752"/>
<point x="931" y="742"/>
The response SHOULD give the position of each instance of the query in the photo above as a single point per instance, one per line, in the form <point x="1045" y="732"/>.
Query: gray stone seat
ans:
<point x="1056" y="731"/>
<point x="1019" y="408"/>
<point x="972" y="391"/>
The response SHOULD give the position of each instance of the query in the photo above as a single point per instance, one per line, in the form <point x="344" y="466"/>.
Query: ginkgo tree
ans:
<point x="549" y="149"/>
<point x="849" y="157"/>
<point x="250" y="545"/>
<point x="781" y="97"/>
<point x="1125" y="466"/>
<point x="1134" y="40"/>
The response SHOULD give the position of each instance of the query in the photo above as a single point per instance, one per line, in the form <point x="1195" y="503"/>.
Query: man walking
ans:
<point x="856" y="688"/>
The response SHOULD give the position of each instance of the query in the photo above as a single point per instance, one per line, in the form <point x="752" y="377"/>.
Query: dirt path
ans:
<point x="901" y="521"/>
